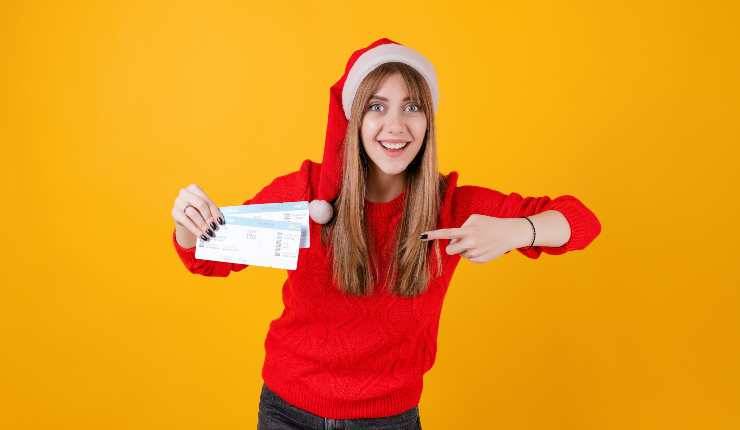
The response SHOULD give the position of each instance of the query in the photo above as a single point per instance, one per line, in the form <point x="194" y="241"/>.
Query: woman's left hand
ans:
<point x="483" y="238"/>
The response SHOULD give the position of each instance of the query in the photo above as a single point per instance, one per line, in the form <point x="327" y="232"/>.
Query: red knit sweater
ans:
<point x="343" y="357"/>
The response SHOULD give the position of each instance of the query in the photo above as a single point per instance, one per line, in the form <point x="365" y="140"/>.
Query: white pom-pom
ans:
<point x="320" y="211"/>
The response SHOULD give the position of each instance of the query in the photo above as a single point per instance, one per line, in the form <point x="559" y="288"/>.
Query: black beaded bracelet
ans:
<point x="534" y="231"/>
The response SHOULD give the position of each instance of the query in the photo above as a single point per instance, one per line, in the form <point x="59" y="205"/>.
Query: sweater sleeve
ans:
<point x="584" y="225"/>
<point x="290" y="187"/>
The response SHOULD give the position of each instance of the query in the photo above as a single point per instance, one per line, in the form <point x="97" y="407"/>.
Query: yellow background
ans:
<point x="109" y="108"/>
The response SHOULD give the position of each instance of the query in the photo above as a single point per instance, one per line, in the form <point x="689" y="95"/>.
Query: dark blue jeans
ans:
<point x="276" y="414"/>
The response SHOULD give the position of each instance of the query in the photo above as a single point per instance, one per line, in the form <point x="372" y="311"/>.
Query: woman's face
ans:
<point x="393" y="127"/>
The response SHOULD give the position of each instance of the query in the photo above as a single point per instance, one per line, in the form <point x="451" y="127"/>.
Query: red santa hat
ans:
<point x="341" y="96"/>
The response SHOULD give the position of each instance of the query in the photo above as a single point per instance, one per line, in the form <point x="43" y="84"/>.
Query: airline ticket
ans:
<point x="287" y="211"/>
<point x="257" y="242"/>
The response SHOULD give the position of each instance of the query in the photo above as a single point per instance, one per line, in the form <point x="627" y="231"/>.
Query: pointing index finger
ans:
<point x="444" y="233"/>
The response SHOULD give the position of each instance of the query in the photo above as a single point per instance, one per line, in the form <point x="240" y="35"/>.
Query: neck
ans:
<point x="382" y="187"/>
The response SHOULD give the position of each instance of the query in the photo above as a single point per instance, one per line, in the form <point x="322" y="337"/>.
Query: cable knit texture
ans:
<point x="343" y="357"/>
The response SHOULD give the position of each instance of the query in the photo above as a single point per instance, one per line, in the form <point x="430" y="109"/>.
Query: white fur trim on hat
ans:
<point x="386" y="53"/>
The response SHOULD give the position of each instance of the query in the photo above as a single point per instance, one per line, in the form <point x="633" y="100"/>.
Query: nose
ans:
<point x="395" y="123"/>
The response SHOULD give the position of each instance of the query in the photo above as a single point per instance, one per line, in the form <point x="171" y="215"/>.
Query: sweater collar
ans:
<point x="386" y="208"/>
<point x="397" y="203"/>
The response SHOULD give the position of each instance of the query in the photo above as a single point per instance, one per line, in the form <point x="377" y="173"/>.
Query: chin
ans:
<point x="393" y="170"/>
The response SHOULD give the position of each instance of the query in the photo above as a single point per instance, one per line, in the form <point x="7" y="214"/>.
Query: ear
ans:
<point x="320" y="211"/>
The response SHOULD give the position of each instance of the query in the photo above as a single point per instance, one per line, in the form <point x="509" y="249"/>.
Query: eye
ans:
<point x="416" y="107"/>
<point x="373" y="105"/>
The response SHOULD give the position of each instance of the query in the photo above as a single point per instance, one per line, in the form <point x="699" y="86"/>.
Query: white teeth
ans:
<point x="393" y="145"/>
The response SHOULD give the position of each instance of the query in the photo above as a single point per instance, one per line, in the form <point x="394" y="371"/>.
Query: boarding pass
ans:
<point x="256" y="242"/>
<point x="296" y="212"/>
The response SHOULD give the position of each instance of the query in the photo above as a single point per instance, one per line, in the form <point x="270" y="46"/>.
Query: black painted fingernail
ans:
<point x="221" y="221"/>
<point x="210" y="233"/>
<point x="213" y="225"/>
<point x="204" y="237"/>
<point x="423" y="236"/>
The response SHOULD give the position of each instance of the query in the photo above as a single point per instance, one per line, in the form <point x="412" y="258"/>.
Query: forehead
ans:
<point x="392" y="87"/>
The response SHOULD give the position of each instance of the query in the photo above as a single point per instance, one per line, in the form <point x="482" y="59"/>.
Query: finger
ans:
<point x="214" y="210"/>
<point x="198" y="220"/>
<point x="458" y="247"/>
<point x="193" y="214"/>
<point x="186" y="222"/>
<point x="209" y="211"/>
<point x="445" y="233"/>
<point x="471" y="219"/>
<point x="200" y="204"/>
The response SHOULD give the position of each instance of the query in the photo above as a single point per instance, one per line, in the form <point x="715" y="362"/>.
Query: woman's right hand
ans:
<point x="195" y="213"/>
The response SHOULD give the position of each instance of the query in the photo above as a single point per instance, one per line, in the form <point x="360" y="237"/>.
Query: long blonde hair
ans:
<point x="352" y="268"/>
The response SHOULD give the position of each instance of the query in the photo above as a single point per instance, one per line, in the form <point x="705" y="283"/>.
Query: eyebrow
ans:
<point x="375" y="96"/>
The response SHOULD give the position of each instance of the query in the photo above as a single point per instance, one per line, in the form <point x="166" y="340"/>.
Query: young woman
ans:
<point x="361" y="315"/>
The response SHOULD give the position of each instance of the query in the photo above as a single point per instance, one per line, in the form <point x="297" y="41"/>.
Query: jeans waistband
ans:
<point x="269" y="400"/>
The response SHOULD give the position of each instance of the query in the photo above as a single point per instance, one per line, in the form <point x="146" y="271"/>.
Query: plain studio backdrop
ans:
<point x="109" y="108"/>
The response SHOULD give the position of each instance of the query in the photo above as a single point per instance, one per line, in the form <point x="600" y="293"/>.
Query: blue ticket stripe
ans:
<point x="265" y="207"/>
<point x="262" y="223"/>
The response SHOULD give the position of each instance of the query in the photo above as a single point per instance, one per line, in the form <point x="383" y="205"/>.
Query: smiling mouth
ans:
<point x="393" y="146"/>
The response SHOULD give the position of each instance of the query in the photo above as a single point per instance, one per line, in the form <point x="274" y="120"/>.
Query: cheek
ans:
<point x="419" y="128"/>
<point x="368" y="131"/>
